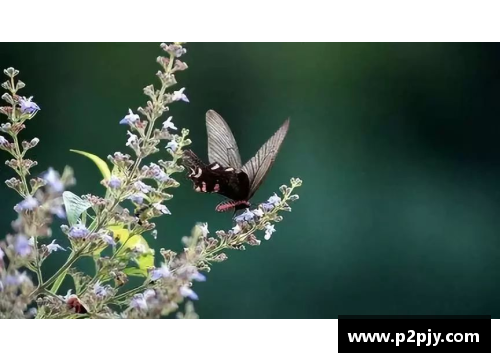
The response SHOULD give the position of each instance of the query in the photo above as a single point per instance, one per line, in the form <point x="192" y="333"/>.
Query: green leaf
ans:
<point x="75" y="206"/>
<point x="100" y="163"/>
<point x="146" y="260"/>
<point x="135" y="272"/>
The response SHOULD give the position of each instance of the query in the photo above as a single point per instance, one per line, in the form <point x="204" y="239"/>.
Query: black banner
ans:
<point x="414" y="334"/>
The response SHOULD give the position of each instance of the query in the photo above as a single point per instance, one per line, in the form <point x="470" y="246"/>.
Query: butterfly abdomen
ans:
<point x="230" y="205"/>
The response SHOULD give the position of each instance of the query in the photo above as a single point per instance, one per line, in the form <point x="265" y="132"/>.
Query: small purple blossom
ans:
<point x="137" y="199"/>
<point x="59" y="211"/>
<point x="236" y="229"/>
<point x="149" y="294"/>
<point x="197" y="276"/>
<point x="133" y="140"/>
<point x="275" y="199"/>
<point x="53" y="180"/>
<point x="204" y="229"/>
<point x="114" y="182"/>
<point x="142" y="187"/>
<point x="159" y="273"/>
<point x="23" y="245"/>
<point x="16" y="279"/>
<point x="28" y="203"/>
<point x="269" y="231"/>
<point x="78" y="231"/>
<point x="139" y="302"/>
<point x="158" y="173"/>
<point x="169" y="124"/>
<point x="27" y="105"/>
<point x="172" y="145"/>
<point x="267" y="206"/>
<point x="100" y="290"/>
<point x="180" y="96"/>
<point x="246" y="216"/>
<point x="161" y="208"/>
<point x="130" y="118"/>
<point x="187" y="292"/>
<point x="3" y="141"/>
<point x="54" y="247"/>
<point x="108" y="239"/>
<point x="258" y="212"/>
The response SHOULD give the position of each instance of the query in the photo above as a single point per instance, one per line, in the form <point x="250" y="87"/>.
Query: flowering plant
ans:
<point x="126" y="283"/>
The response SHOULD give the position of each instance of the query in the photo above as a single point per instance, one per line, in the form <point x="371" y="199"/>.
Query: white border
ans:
<point x="256" y="20"/>
<point x="193" y="340"/>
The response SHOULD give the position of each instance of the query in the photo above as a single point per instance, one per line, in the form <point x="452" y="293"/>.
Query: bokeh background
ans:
<point x="397" y="144"/>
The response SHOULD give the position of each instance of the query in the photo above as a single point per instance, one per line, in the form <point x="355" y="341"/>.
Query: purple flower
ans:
<point x="139" y="302"/>
<point x="149" y="294"/>
<point x="180" y="96"/>
<point x="59" y="211"/>
<point x="236" y="229"/>
<point x="197" y="276"/>
<point x="169" y="124"/>
<point x="159" y="273"/>
<point x="246" y="216"/>
<point x="109" y="240"/>
<point x="269" y="231"/>
<point x="54" y="247"/>
<point x="2" y="254"/>
<point x="267" y="206"/>
<point x="161" y="208"/>
<point x="172" y="145"/>
<point x="3" y="141"/>
<point x="78" y="231"/>
<point x="258" y="212"/>
<point x="16" y="279"/>
<point x="133" y="140"/>
<point x="27" y="105"/>
<point x="157" y="173"/>
<point x="28" y="203"/>
<point x="114" y="182"/>
<point x="187" y="292"/>
<point x="23" y="246"/>
<point x="130" y="118"/>
<point x="204" y="229"/>
<point x="275" y="199"/>
<point x="137" y="198"/>
<point x="53" y="180"/>
<point x="100" y="290"/>
<point x="142" y="187"/>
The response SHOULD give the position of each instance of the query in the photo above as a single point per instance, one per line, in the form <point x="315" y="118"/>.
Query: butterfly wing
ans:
<point x="259" y="165"/>
<point x="222" y="147"/>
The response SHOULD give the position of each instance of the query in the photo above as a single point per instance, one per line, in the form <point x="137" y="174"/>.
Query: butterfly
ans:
<point x="225" y="173"/>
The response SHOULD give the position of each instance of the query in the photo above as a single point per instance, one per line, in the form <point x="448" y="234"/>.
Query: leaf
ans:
<point x="145" y="261"/>
<point x="75" y="206"/>
<point x="100" y="163"/>
<point x="135" y="272"/>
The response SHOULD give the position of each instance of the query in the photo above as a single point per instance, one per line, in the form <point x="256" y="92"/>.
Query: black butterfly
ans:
<point x="225" y="174"/>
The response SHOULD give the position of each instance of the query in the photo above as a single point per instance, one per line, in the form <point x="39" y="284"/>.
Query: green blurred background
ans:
<point x="397" y="144"/>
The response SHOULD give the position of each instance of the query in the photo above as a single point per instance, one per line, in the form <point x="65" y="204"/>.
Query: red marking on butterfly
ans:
<point x="229" y="205"/>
